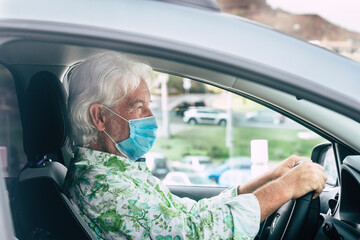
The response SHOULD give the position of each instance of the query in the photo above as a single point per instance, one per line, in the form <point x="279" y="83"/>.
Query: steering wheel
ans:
<point x="289" y="220"/>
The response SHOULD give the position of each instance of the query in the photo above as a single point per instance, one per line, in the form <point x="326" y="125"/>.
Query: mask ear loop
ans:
<point x="109" y="136"/>
<point x="114" y="113"/>
<point x="115" y="144"/>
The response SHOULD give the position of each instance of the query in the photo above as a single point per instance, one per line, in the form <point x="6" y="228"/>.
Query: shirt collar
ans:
<point x="94" y="155"/>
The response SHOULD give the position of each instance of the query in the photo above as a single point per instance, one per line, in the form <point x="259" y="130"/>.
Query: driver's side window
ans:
<point x="209" y="136"/>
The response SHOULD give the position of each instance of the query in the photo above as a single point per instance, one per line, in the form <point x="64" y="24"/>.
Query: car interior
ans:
<point x="45" y="126"/>
<point x="37" y="67"/>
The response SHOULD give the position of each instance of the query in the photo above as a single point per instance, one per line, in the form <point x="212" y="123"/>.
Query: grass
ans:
<point x="210" y="141"/>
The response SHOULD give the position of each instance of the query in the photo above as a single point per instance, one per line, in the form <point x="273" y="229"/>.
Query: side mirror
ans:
<point x="323" y="154"/>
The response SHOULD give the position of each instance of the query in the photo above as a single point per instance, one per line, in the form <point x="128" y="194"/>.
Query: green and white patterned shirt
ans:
<point x="120" y="199"/>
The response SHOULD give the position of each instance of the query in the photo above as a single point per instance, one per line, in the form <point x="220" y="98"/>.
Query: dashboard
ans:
<point x="342" y="221"/>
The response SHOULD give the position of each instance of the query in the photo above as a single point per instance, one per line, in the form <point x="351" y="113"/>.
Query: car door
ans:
<point x="207" y="116"/>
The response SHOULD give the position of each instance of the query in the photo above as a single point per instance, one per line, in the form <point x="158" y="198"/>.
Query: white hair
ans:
<point x="105" y="79"/>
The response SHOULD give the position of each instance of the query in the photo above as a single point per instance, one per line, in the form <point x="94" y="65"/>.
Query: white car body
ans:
<point x="182" y="178"/>
<point x="203" y="115"/>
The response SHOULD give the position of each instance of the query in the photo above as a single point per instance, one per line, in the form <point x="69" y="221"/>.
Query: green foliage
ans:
<point x="175" y="85"/>
<point x="198" y="87"/>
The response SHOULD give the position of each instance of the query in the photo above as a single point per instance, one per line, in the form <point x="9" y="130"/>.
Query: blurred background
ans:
<point x="332" y="24"/>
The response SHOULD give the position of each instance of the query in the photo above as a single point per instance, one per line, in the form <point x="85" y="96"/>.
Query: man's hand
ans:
<point x="281" y="169"/>
<point x="295" y="182"/>
<point x="304" y="178"/>
<point x="286" y="165"/>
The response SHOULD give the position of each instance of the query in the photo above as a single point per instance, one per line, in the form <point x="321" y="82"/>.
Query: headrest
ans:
<point x="51" y="170"/>
<point x="45" y="120"/>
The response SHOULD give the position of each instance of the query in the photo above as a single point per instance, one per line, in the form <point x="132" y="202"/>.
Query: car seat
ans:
<point x="40" y="209"/>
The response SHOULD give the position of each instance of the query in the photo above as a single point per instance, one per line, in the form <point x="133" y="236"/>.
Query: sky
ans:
<point x="345" y="13"/>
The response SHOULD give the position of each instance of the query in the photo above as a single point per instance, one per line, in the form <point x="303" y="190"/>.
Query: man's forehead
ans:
<point x="141" y="98"/>
<point x="140" y="94"/>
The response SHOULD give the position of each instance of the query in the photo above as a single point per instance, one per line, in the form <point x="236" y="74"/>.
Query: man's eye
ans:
<point x="138" y="106"/>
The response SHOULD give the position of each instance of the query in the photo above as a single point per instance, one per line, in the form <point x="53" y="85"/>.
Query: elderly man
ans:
<point x="112" y="127"/>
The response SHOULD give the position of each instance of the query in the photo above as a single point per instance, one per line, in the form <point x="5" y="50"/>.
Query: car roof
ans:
<point x="210" y="5"/>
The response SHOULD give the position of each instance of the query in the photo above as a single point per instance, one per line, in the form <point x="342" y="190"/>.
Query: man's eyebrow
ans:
<point x="136" y="102"/>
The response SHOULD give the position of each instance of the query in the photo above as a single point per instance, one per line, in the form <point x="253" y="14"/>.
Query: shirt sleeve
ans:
<point x="239" y="213"/>
<point x="222" y="217"/>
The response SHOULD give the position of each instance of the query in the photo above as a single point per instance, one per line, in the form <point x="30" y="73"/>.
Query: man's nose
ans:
<point x="148" y="112"/>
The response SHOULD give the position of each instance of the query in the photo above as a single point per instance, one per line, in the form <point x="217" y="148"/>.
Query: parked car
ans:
<point x="181" y="108"/>
<point x="157" y="164"/>
<point x="203" y="115"/>
<point x="310" y="85"/>
<point x="234" y="177"/>
<point x="239" y="163"/>
<point x="265" y="116"/>
<point x="196" y="160"/>
<point x="192" y="163"/>
<point x="182" y="178"/>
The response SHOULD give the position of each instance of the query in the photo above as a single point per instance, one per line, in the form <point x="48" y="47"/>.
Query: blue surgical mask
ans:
<point x="141" y="139"/>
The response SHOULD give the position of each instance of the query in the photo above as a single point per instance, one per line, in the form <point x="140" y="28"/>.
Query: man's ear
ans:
<point x="97" y="115"/>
